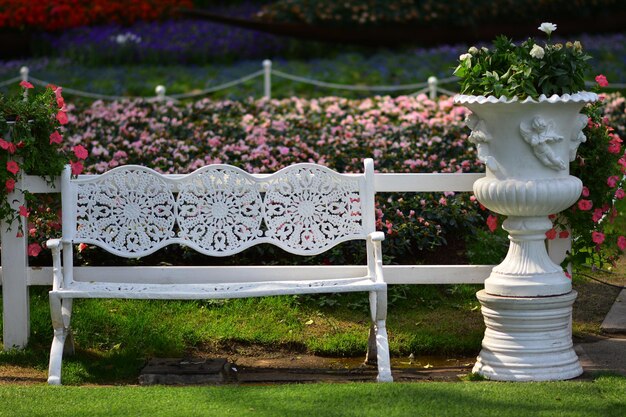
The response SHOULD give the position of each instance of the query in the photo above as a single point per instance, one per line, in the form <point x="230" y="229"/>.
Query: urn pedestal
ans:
<point x="527" y="301"/>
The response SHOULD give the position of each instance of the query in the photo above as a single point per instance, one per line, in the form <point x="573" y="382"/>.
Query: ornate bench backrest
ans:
<point x="218" y="210"/>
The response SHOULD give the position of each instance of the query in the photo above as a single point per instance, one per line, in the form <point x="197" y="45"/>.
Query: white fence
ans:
<point x="432" y="87"/>
<point x="17" y="275"/>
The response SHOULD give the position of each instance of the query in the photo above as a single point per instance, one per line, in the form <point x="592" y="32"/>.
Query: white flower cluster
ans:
<point x="124" y="38"/>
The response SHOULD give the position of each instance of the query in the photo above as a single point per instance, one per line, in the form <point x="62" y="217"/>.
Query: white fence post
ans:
<point x="24" y="74"/>
<point x="15" y="301"/>
<point x="432" y="87"/>
<point x="267" y="79"/>
<point x="160" y="92"/>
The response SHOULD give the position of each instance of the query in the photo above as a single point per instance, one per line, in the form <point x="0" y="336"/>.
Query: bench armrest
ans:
<point x="376" y="236"/>
<point x="54" y="244"/>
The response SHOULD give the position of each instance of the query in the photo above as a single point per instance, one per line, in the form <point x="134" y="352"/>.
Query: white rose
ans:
<point x="473" y="50"/>
<point x="547" y="27"/>
<point x="465" y="56"/>
<point x="537" y="52"/>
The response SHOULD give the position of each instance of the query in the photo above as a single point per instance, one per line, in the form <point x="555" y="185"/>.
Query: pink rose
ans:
<point x="77" y="167"/>
<point x="621" y="243"/>
<point x="13" y="167"/>
<point x="597" y="215"/>
<point x="585" y="205"/>
<point x="492" y="222"/>
<point x="597" y="237"/>
<point x="34" y="249"/>
<point x="602" y="81"/>
<point x="25" y="84"/>
<point x="23" y="211"/>
<point x="563" y="234"/>
<point x="585" y="192"/>
<point x="62" y="117"/>
<point x="551" y="234"/>
<point x="612" y="181"/>
<point x="10" y="185"/>
<point x="619" y="194"/>
<point x="56" y="137"/>
<point x="80" y="152"/>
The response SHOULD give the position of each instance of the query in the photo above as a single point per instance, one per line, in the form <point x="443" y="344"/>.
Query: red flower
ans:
<point x="23" y="211"/>
<point x="551" y="234"/>
<point x="62" y="117"/>
<point x="13" y="167"/>
<point x="597" y="215"/>
<point x="602" y="81"/>
<point x="615" y="144"/>
<point x="568" y="275"/>
<point x="619" y="194"/>
<point x="26" y="85"/>
<point x="34" y="249"/>
<point x="585" y="205"/>
<point x="621" y="243"/>
<point x="563" y="234"/>
<point x="597" y="237"/>
<point x="10" y="185"/>
<point x="56" y="137"/>
<point x="492" y="222"/>
<point x="612" y="181"/>
<point x="77" y="167"/>
<point x="80" y="152"/>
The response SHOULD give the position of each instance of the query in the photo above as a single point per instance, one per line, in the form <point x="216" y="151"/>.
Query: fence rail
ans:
<point x="16" y="275"/>
<point x="432" y="87"/>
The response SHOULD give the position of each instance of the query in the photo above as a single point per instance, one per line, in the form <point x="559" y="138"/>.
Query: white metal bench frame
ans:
<point x="217" y="210"/>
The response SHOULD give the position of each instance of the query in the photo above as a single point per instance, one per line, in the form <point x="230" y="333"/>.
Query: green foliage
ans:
<point x="522" y="71"/>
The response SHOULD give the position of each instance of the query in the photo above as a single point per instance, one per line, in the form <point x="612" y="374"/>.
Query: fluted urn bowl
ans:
<point x="527" y="147"/>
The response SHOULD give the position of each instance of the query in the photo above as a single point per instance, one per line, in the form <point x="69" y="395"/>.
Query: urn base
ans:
<point x="527" y="339"/>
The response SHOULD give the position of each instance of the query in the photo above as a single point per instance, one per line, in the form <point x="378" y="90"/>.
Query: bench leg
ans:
<point x="62" y="342"/>
<point x="378" y="343"/>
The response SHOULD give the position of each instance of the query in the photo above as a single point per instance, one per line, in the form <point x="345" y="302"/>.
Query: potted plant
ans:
<point x="526" y="123"/>
<point x="31" y="142"/>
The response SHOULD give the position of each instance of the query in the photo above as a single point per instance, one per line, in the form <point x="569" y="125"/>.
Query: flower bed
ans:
<point x="63" y="14"/>
<point x="403" y="134"/>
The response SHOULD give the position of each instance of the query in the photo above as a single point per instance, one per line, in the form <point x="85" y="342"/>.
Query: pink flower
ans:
<point x="23" y="211"/>
<point x="619" y="194"/>
<point x="568" y="275"/>
<point x="597" y="215"/>
<point x="56" y="137"/>
<point x="492" y="222"/>
<point x="615" y="144"/>
<point x="80" y="152"/>
<point x="34" y="249"/>
<point x="597" y="237"/>
<point x="563" y="234"/>
<point x="621" y="243"/>
<point x="585" y="205"/>
<point x="26" y="84"/>
<point x="585" y="192"/>
<point x="551" y="234"/>
<point x="77" y="167"/>
<point x="13" y="167"/>
<point x="10" y="185"/>
<point x="612" y="181"/>
<point x="602" y="81"/>
<point x="62" y="117"/>
<point x="7" y="146"/>
<point x="82" y="247"/>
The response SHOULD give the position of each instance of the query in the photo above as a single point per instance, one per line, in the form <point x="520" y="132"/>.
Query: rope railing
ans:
<point x="432" y="87"/>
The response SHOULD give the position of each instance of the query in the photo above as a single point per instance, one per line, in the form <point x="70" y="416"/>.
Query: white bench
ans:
<point x="218" y="210"/>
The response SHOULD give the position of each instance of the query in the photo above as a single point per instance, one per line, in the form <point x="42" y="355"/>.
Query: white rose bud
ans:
<point x="547" y="27"/>
<point x="537" y="52"/>
<point x="473" y="50"/>
<point x="465" y="56"/>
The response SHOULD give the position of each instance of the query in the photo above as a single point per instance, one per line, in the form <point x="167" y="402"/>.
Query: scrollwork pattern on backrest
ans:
<point x="127" y="211"/>
<point x="309" y="209"/>
<point x="220" y="210"/>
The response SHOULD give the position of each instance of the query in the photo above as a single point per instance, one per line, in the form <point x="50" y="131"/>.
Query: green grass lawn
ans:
<point x="602" y="397"/>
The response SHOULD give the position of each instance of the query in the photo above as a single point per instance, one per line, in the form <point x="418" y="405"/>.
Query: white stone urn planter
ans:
<point x="527" y="301"/>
